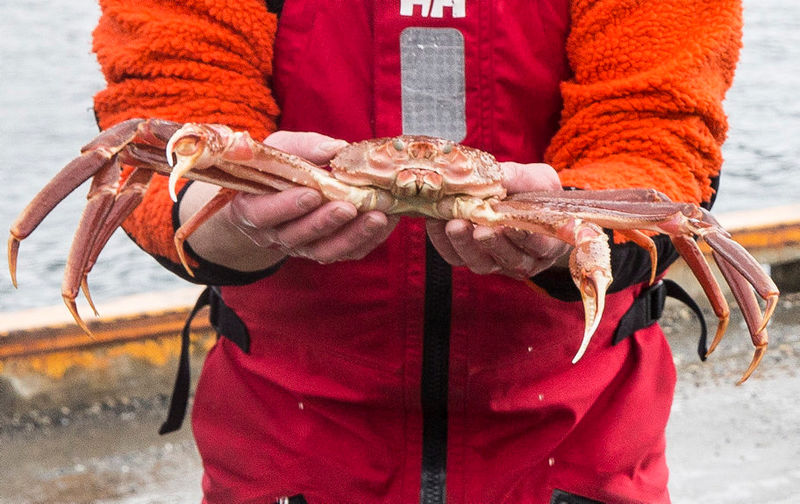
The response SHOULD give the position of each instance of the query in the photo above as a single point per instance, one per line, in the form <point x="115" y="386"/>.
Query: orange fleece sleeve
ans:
<point x="194" y="60"/>
<point x="643" y="108"/>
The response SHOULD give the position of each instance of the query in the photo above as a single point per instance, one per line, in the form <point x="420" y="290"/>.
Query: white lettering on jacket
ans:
<point x="434" y="8"/>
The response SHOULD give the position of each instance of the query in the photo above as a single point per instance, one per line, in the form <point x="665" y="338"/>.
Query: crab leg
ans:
<point x="676" y="219"/>
<point x="735" y="255"/>
<point x="67" y="180"/>
<point x="597" y="197"/>
<point x="197" y="147"/>
<point x="750" y="310"/>
<point x="590" y="268"/>
<point x="127" y="199"/>
<point x="694" y="258"/>
<point x="100" y="159"/>
<point x="214" y="205"/>
<point x="682" y="222"/>
<point x="101" y="198"/>
<point x="646" y="243"/>
<point x="104" y="212"/>
<point x="95" y="156"/>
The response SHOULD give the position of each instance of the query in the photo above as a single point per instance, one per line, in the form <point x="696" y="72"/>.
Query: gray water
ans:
<point x="49" y="76"/>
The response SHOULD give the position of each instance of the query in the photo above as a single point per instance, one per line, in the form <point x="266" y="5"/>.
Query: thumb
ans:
<point x="518" y="177"/>
<point x="314" y="147"/>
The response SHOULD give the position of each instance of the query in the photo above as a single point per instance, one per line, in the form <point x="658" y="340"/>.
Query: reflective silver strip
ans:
<point x="433" y="82"/>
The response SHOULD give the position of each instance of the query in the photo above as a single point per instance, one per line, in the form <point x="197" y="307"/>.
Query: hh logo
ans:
<point x="434" y="8"/>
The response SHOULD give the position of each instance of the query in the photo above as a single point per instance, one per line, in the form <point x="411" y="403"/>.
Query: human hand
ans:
<point x="507" y="251"/>
<point x="256" y="231"/>
<point x="296" y="222"/>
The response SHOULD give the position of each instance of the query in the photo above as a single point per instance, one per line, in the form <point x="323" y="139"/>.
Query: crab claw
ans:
<point x="72" y="306"/>
<point x="590" y="266"/>
<point x="593" y="292"/>
<point x="183" y="151"/>
<point x="13" y="252"/>
<point x="757" y="356"/>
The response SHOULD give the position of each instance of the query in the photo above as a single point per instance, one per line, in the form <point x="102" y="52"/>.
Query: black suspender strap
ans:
<point x="225" y="322"/>
<point x="562" y="497"/>
<point x="180" y="392"/>
<point x="275" y="6"/>
<point x="294" y="499"/>
<point x="648" y="307"/>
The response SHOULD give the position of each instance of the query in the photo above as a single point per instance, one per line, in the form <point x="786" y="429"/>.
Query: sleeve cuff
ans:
<point x="206" y="272"/>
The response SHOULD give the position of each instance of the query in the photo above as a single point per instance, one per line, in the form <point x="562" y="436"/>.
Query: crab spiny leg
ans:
<point x="646" y="243"/>
<point x="751" y="311"/>
<point x="736" y="255"/>
<point x="590" y="267"/>
<point x="72" y="176"/>
<point x="694" y="258"/>
<point x="101" y="202"/>
<point x="214" y="205"/>
<point x="746" y="264"/>
<point x="598" y="197"/>
<point x="101" y="198"/>
<point x="127" y="199"/>
<point x="95" y="156"/>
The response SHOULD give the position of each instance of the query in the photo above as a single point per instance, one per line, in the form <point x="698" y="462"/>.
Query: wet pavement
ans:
<point x="727" y="444"/>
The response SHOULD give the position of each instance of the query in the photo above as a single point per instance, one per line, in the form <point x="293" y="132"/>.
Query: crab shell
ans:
<point x="412" y="167"/>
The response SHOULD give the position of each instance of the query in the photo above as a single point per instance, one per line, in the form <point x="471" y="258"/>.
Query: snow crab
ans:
<point x="406" y="174"/>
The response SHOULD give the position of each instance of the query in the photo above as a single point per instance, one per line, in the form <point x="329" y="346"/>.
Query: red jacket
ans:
<point x="394" y="379"/>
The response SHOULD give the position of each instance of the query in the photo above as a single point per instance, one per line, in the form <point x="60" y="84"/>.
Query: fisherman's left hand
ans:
<point x="510" y="252"/>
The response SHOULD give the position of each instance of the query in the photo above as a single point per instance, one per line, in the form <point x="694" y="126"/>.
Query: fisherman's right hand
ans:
<point x="295" y="222"/>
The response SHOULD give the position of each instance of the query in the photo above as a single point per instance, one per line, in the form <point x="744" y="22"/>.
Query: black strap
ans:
<point x="294" y="499"/>
<point x="562" y="497"/>
<point x="275" y="6"/>
<point x="648" y="307"/>
<point x="225" y="322"/>
<point x="180" y="392"/>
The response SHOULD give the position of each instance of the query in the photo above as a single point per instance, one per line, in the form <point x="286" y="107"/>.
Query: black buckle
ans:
<point x="655" y="297"/>
<point x="294" y="499"/>
<point x="562" y="497"/>
<point x="648" y="307"/>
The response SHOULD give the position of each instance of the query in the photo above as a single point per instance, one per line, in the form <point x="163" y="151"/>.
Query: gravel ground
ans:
<point x="727" y="444"/>
<point x="730" y="444"/>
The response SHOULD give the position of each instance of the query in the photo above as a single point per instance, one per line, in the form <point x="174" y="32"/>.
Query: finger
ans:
<point x="249" y="211"/>
<point x="529" y="177"/>
<point x="441" y="242"/>
<point x="322" y="222"/>
<point x="475" y="257"/>
<point x="354" y="240"/>
<point x="542" y="247"/>
<point x="515" y="261"/>
<point x="314" y="147"/>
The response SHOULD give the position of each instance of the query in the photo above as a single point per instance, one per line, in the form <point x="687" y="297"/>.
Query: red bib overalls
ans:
<point x="394" y="379"/>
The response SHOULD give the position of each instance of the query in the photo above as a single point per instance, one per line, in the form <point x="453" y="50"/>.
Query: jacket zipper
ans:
<point x="435" y="366"/>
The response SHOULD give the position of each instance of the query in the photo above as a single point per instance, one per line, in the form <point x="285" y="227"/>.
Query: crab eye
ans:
<point x="447" y="149"/>
<point x="398" y="144"/>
